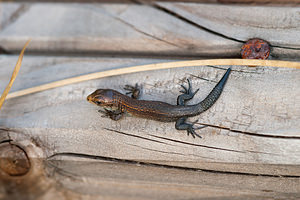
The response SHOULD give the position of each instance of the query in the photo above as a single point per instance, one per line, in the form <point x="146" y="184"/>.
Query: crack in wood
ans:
<point x="283" y="47"/>
<point x="173" y="140"/>
<point x="61" y="171"/>
<point x="147" y="34"/>
<point x="4" y="51"/>
<point x="168" y="152"/>
<point x="198" y="145"/>
<point x="135" y="162"/>
<point x="180" y="17"/>
<point x="155" y="150"/>
<point x="135" y="2"/>
<point x="136" y="136"/>
<point x="186" y="20"/>
<point x="202" y="78"/>
<point x="233" y="70"/>
<point x="121" y="54"/>
<point x="187" y="143"/>
<point x="251" y="133"/>
<point x="15" y="15"/>
<point x="5" y="141"/>
<point x="6" y="130"/>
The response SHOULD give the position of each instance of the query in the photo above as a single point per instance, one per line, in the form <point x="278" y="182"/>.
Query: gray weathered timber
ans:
<point x="162" y="183"/>
<point x="279" y="26"/>
<point x="37" y="70"/>
<point x="150" y="29"/>
<point x="250" y="149"/>
<point x="69" y="179"/>
<point x="110" y="28"/>
<point x="256" y="119"/>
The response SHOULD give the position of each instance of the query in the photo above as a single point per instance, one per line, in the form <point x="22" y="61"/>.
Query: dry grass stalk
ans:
<point x="14" y="75"/>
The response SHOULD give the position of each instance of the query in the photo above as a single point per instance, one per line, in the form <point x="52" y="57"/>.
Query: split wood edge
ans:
<point x="14" y="75"/>
<point x="150" y="67"/>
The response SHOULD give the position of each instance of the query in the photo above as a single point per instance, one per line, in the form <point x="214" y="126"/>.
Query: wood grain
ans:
<point x="256" y="120"/>
<point x="254" y="21"/>
<point x="109" y="28"/>
<point x="150" y="182"/>
<point x="110" y="180"/>
<point x="250" y="149"/>
<point x="150" y="67"/>
<point x="162" y="29"/>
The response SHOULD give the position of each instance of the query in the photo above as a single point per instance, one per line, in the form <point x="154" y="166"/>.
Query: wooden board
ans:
<point x="250" y="149"/>
<point x="110" y="180"/>
<point x="254" y="22"/>
<point x="254" y="121"/>
<point x="162" y="29"/>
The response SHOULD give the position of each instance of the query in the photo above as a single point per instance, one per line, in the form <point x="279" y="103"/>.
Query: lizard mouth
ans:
<point x="91" y="100"/>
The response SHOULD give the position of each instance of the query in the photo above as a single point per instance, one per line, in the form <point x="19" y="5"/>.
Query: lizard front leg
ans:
<point x="135" y="91"/>
<point x="112" y="114"/>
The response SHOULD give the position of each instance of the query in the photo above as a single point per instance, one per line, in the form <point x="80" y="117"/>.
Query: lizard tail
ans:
<point x="213" y="95"/>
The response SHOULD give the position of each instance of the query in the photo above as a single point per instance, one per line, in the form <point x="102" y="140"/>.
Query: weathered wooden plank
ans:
<point x="256" y="120"/>
<point x="65" y="177"/>
<point x="151" y="182"/>
<point x="105" y="28"/>
<point x="253" y="21"/>
<point x="37" y="70"/>
<point x="250" y="149"/>
<point x="114" y="29"/>
<point x="68" y="179"/>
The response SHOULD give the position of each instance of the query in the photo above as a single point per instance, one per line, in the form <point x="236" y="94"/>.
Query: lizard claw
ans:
<point x="199" y="127"/>
<point x="185" y="90"/>
<point x="105" y="113"/>
<point x="191" y="131"/>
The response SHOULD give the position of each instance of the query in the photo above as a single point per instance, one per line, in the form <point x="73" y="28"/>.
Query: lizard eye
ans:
<point x="98" y="103"/>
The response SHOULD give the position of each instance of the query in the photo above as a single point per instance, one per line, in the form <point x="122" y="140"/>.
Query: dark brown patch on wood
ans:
<point x="14" y="160"/>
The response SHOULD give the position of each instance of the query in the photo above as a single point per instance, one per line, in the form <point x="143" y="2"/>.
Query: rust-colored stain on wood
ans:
<point x="255" y="49"/>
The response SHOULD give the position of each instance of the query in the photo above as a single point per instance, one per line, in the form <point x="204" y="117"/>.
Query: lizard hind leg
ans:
<point x="187" y="94"/>
<point x="181" y="124"/>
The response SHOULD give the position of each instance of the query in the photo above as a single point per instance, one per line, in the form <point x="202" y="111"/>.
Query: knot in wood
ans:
<point x="13" y="160"/>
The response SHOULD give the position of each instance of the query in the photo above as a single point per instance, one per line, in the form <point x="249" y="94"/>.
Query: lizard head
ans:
<point x="102" y="97"/>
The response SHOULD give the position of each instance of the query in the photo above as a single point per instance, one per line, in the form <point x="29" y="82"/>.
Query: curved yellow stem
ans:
<point x="14" y="75"/>
<point x="157" y="66"/>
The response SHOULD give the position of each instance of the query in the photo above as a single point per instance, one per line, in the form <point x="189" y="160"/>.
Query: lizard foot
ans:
<point x="186" y="95"/>
<point x="112" y="114"/>
<point x="133" y="90"/>
<point x="181" y="124"/>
